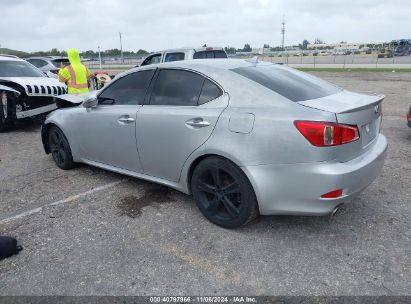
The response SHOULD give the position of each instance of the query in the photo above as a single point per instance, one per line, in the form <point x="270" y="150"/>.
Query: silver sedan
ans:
<point x="244" y="138"/>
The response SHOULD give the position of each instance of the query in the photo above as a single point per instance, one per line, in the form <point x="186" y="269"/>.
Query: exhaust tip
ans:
<point x="335" y="210"/>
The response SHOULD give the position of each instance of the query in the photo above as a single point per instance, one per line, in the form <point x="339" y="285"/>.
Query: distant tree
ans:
<point x="266" y="46"/>
<point x="112" y="52"/>
<point x="318" y="41"/>
<point x="305" y="44"/>
<point x="142" y="52"/>
<point x="230" y="50"/>
<point x="343" y="42"/>
<point x="247" y="48"/>
<point x="88" y="54"/>
<point x="52" y="52"/>
<point x="14" y="52"/>
<point x="55" y="52"/>
<point x="276" y="49"/>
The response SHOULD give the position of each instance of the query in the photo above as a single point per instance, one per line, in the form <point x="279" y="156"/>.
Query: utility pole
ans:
<point x="121" y="48"/>
<point x="283" y="33"/>
<point x="99" y="58"/>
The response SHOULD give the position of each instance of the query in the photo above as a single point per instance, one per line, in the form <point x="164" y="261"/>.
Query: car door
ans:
<point x="108" y="130"/>
<point x="179" y="115"/>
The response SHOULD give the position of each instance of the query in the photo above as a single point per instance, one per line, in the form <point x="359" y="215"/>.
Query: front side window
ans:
<point x="174" y="57"/>
<point x="176" y="88"/>
<point x="153" y="59"/>
<point x="128" y="90"/>
<point x="19" y="69"/>
<point x="294" y="85"/>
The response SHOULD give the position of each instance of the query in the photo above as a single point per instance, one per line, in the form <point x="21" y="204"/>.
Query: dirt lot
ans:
<point x="88" y="231"/>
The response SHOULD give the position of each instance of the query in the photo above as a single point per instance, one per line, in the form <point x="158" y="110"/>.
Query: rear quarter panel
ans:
<point x="273" y="138"/>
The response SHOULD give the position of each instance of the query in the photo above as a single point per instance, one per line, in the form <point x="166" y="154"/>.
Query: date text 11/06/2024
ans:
<point x="221" y="299"/>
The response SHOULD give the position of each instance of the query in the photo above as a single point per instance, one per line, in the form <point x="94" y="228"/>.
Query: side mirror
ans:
<point x="91" y="102"/>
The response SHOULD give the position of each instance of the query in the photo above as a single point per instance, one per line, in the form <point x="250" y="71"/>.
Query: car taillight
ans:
<point x="333" y="194"/>
<point x="324" y="134"/>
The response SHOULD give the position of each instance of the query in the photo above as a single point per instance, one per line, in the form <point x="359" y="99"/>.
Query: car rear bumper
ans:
<point x="297" y="188"/>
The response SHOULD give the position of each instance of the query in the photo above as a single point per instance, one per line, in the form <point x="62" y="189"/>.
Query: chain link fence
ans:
<point x="376" y="60"/>
<point x="114" y="65"/>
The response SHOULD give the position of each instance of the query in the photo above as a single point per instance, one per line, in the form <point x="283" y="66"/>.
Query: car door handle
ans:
<point x="197" y="123"/>
<point x="125" y="120"/>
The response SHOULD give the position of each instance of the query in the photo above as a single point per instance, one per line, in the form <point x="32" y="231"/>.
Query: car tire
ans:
<point x="60" y="148"/>
<point x="223" y="193"/>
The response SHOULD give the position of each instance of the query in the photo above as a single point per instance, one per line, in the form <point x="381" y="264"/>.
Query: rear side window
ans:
<point x="58" y="63"/>
<point x="209" y="55"/>
<point x="294" y="85"/>
<point x="128" y="90"/>
<point x="176" y="88"/>
<point x="199" y="55"/>
<point x="209" y="92"/>
<point x="37" y="62"/>
<point x="220" y="54"/>
<point x="174" y="57"/>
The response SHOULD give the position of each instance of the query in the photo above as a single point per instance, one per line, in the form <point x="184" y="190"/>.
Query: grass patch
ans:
<point x="386" y="70"/>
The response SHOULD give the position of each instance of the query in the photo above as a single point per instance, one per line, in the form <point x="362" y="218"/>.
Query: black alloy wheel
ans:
<point x="223" y="193"/>
<point x="60" y="149"/>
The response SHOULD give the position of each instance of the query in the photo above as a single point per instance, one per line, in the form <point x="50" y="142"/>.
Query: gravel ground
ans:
<point x="112" y="235"/>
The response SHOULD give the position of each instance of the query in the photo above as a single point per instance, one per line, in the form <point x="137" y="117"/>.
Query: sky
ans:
<point x="155" y="25"/>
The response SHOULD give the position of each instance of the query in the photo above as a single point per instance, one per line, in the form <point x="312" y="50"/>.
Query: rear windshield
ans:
<point x="60" y="62"/>
<point x="209" y="54"/>
<point x="291" y="84"/>
<point x="19" y="69"/>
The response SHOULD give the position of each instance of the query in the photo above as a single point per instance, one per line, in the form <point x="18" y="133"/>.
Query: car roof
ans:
<point x="199" y="64"/>
<point x="48" y="57"/>
<point x="196" y="49"/>
<point x="5" y="57"/>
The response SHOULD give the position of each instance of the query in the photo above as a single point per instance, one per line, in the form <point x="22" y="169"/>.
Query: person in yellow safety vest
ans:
<point x="75" y="75"/>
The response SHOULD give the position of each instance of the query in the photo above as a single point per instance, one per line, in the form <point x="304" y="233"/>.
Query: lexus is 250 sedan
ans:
<point x="244" y="138"/>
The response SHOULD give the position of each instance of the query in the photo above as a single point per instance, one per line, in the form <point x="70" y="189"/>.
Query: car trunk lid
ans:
<point x="364" y="111"/>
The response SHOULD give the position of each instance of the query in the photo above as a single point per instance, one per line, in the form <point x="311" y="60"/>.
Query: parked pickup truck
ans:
<point x="185" y="54"/>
